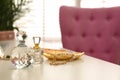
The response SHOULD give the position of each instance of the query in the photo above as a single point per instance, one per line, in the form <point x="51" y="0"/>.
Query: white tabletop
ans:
<point x="87" y="68"/>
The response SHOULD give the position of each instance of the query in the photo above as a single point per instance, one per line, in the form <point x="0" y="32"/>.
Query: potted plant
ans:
<point x="10" y="11"/>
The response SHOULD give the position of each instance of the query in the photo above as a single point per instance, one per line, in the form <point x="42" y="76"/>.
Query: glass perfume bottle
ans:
<point x="21" y="56"/>
<point x="37" y="51"/>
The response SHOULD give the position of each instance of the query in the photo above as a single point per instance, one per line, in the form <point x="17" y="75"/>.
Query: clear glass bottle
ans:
<point x="21" y="55"/>
<point x="37" y="51"/>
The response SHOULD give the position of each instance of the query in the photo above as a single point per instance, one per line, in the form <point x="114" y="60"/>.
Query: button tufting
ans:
<point x="70" y="34"/>
<point x="91" y="18"/>
<point x="76" y="18"/>
<point x="108" y="18"/>
<point x="115" y="34"/>
<point x="98" y="35"/>
<point x="83" y="35"/>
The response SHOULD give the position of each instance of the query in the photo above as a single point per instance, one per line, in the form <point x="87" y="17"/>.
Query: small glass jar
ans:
<point x="21" y="56"/>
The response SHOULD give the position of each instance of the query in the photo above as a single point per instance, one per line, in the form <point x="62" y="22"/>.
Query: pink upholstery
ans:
<point x="94" y="31"/>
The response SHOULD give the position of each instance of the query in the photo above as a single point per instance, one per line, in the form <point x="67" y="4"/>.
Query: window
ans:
<point x="99" y="3"/>
<point x="43" y="20"/>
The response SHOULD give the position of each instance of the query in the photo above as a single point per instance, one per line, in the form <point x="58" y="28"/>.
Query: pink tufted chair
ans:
<point x="96" y="31"/>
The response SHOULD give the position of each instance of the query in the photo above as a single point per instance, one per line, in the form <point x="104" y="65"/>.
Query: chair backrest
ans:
<point x="96" y="31"/>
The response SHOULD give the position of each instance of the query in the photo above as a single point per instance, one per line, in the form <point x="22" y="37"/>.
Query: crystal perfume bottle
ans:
<point x="21" y="56"/>
<point x="37" y="51"/>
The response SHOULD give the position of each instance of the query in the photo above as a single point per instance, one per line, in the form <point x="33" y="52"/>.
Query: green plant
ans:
<point x="10" y="11"/>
